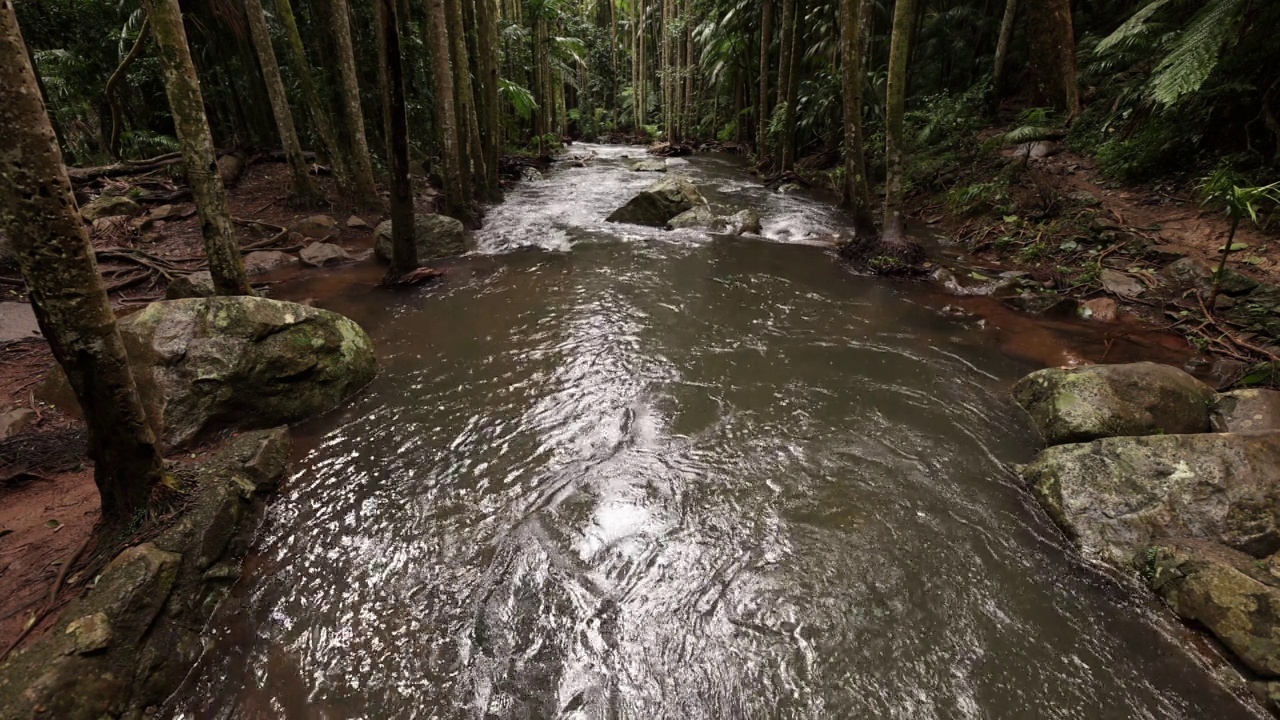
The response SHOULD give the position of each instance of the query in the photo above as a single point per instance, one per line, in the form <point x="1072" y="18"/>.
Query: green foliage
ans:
<point x="977" y="197"/>
<point x="519" y="97"/>
<point x="1222" y="189"/>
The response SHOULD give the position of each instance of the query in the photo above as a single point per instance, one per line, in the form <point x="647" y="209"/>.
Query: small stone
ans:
<point x="264" y="260"/>
<point x="1102" y="309"/>
<point x="318" y="227"/>
<point x="151" y="237"/>
<point x="319" y="254"/>
<point x="15" y="421"/>
<point x="91" y="633"/>
<point x="649" y="166"/>
<point x="788" y="188"/>
<point x="357" y="223"/>
<point x="1122" y="284"/>
<point x="193" y="285"/>
<point x="110" y="224"/>
<point x="1224" y="302"/>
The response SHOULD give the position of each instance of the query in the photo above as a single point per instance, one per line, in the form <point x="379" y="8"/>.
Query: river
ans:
<point x="637" y="474"/>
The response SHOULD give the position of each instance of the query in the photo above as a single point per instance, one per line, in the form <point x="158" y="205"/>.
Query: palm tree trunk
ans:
<point x="196" y="143"/>
<point x="490" y="115"/>
<point x="764" y="111"/>
<point x="305" y="192"/>
<point x="856" y="193"/>
<point x="791" y="62"/>
<point x="468" y="123"/>
<point x="457" y="200"/>
<point x="66" y="291"/>
<point x="899" y="52"/>
<point x="359" y="161"/>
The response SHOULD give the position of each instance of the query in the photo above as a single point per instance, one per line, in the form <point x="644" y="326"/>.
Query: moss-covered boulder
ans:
<point x="1234" y="596"/>
<point x="659" y="203"/>
<point x="436" y="236"/>
<point x="1247" y="410"/>
<point x="244" y="362"/>
<point x="698" y="216"/>
<point x="1081" y="404"/>
<point x="1114" y="497"/>
<point x="105" y="206"/>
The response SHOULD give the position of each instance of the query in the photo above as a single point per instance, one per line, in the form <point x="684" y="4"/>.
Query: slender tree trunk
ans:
<point x="490" y="115"/>
<point x="305" y="192"/>
<point x="764" y="112"/>
<point x="66" y="291"/>
<point x="1052" y="56"/>
<point x="468" y="120"/>
<point x="643" y="86"/>
<point x="899" y="51"/>
<point x="113" y="101"/>
<point x="187" y="104"/>
<point x="856" y="194"/>
<point x="297" y="56"/>
<point x="404" y="251"/>
<point x="359" y="160"/>
<point x="1002" y="53"/>
<point x="457" y="201"/>
<point x="791" y="62"/>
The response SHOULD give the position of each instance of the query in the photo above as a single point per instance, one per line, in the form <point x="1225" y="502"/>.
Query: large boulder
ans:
<point x="1115" y="496"/>
<point x="436" y="236"/>
<point x="105" y="206"/>
<point x="1234" y="596"/>
<point x="245" y="362"/>
<point x="659" y="202"/>
<point x="1097" y="401"/>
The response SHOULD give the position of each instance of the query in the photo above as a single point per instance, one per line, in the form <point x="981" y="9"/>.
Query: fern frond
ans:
<point x="1197" y="50"/>
<point x="1131" y="27"/>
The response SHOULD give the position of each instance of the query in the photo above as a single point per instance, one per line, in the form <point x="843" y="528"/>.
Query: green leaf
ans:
<point x="1069" y="245"/>
<point x="52" y="523"/>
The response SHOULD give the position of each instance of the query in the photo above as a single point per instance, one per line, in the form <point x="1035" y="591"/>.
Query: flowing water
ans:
<point x="667" y="475"/>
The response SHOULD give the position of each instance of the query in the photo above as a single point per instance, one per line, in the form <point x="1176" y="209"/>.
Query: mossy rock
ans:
<point x="1081" y="404"/>
<point x="435" y="237"/>
<point x="659" y="203"/>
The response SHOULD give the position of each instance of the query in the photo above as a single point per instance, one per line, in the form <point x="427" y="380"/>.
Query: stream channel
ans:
<point x="639" y="474"/>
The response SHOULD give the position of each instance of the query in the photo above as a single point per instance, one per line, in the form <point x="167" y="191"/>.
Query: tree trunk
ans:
<point x="895" y="188"/>
<point x="490" y="115"/>
<point x="187" y="105"/>
<point x="404" y="252"/>
<point x="117" y="121"/>
<point x="853" y="48"/>
<point x="791" y="60"/>
<point x="66" y="291"/>
<point x="305" y="193"/>
<point x="319" y="114"/>
<point x="1002" y="53"/>
<point x="764" y="111"/>
<point x="1051" y="49"/>
<point x="468" y="121"/>
<point x="457" y="202"/>
<point x="361" y="165"/>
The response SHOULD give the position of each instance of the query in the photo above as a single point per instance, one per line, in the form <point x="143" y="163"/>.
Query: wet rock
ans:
<point x="261" y="261"/>
<point x="743" y="222"/>
<point x="1225" y="591"/>
<point x="319" y="254"/>
<point x="1189" y="272"/>
<point x="788" y="188"/>
<point x="1038" y="150"/>
<point x="1243" y="411"/>
<point x="356" y="223"/>
<point x="1102" y="309"/>
<point x="1099" y="401"/>
<point x="699" y="216"/>
<point x="529" y="174"/>
<point x="1115" y="497"/>
<point x="110" y="206"/>
<point x="649" y="166"/>
<point x="436" y="236"/>
<point x="660" y="202"/>
<point x="15" y="421"/>
<point x="244" y="362"/>
<point x="317" y="227"/>
<point x="1121" y="284"/>
<point x="193" y="285"/>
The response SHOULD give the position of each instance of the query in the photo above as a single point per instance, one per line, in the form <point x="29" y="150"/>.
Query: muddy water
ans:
<point x="660" y="475"/>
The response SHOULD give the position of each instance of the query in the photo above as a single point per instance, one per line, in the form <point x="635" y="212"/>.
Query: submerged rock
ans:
<point x="1234" y="596"/>
<point x="319" y="254"/>
<point x="244" y="362"/>
<point x="1081" y="404"/>
<point x="435" y="236"/>
<point x="649" y="166"/>
<point x="1116" y="496"/>
<point x="105" y="206"/>
<point x="1250" y="410"/>
<point x="660" y="202"/>
<point x="260" y="261"/>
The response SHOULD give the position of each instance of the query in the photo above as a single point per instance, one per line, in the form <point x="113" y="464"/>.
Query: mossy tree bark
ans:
<point x="70" y="302"/>
<point x="854" y="35"/>
<point x="358" y="159"/>
<point x="196" y="143"/>
<point x="457" y="201"/>
<point x="297" y="59"/>
<point x="788" y="76"/>
<point x="491" y="107"/>
<point x="765" y="110"/>
<point x="472" y="156"/>
<point x="404" y="252"/>
<point x="1051" y="47"/>
<point x="305" y="192"/>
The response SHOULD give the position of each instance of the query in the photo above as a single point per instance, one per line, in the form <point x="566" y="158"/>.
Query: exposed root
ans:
<point x="881" y="255"/>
